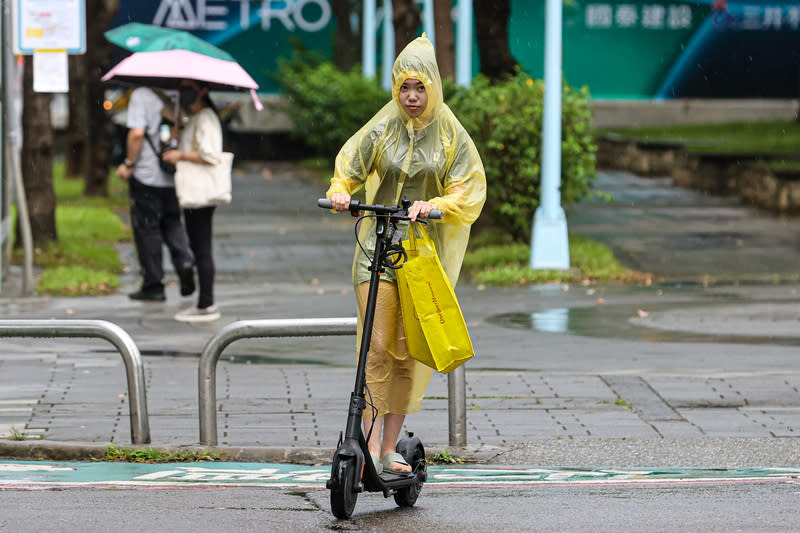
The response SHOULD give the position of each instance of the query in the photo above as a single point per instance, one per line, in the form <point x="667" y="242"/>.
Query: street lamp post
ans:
<point x="549" y="242"/>
<point x="368" y="40"/>
<point x="464" y="43"/>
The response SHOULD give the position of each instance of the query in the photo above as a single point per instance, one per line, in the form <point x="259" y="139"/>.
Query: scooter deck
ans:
<point x="395" y="476"/>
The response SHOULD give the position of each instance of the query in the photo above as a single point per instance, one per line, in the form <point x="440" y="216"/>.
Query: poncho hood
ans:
<point x="417" y="61"/>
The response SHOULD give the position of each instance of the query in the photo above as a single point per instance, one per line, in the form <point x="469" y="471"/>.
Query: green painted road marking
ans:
<point x="31" y="474"/>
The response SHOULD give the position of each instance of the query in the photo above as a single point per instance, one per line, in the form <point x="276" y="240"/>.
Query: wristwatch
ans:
<point x="128" y="163"/>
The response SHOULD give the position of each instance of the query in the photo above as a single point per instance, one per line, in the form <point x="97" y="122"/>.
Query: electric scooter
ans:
<point x="350" y="473"/>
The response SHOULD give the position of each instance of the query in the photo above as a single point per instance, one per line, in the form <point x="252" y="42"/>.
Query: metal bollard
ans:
<point x="301" y="327"/>
<point x="457" y="407"/>
<point x="134" y="369"/>
<point x="292" y="327"/>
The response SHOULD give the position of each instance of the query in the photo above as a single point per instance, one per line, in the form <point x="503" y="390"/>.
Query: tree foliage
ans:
<point x="327" y="106"/>
<point x="505" y="122"/>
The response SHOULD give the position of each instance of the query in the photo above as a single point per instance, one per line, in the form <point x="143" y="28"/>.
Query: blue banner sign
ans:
<point x="620" y="49"/>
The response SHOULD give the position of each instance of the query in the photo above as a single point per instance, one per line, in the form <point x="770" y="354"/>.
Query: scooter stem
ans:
<point x="357" y="401"/>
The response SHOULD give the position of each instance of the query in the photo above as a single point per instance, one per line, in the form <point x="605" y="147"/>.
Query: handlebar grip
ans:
<point x="325" y="203"/>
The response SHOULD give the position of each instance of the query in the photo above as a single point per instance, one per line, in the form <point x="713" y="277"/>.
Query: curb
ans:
<point x="42" y="450"/>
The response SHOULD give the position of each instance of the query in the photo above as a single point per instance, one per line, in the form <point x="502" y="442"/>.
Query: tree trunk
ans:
<point x="491" y="29"/>
<point x="37" y="160"/>
<point x="77" y="153"/>
<point x="406" y="19"/>
<point x="346" y="40"/>
<point x="98" y="59"/>
<point x="445" y="46"/>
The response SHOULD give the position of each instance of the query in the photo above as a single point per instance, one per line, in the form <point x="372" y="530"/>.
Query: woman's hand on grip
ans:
<point x="340" y="201"/>
<point x="421" y="210"/>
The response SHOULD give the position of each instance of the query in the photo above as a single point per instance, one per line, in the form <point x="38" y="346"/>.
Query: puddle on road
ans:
<point x="615" y="322"/>
<point x="166" y="353"/>
<point x="255" y="359"/>
<point x="246" y="359"/>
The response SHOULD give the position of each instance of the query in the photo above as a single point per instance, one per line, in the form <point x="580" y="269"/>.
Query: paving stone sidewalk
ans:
<point x="563" y="374"/>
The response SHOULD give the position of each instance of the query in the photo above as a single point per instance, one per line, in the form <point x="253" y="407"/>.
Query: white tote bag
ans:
<point x="199" y="185"/>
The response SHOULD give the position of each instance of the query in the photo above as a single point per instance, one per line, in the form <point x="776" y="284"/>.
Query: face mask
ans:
<point x="187" y="96"/>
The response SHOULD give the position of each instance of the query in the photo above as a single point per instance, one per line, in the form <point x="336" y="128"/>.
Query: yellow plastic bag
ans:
<point x="436" y="333"/>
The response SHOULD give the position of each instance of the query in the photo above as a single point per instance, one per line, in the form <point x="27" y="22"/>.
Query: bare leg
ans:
<point x="374" y="442"/>
<point x="392" y="425"/>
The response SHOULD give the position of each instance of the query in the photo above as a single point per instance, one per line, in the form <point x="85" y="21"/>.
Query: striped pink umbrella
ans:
<point x="166" y="68"/>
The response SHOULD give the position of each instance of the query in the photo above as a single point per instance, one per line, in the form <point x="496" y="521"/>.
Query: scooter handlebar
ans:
<point x="356" y="205"/>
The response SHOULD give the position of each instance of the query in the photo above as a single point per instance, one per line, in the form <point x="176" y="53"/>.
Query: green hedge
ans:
<point x="505" y="122"/>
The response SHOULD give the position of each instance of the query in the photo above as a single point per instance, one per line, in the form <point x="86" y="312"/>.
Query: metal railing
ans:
<point x="242" y="329"/>
<point x="134" y="369"/>
<point x="301" y="327"/>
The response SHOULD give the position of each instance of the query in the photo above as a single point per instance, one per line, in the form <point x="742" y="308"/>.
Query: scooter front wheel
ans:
<point x="343" y="499"/>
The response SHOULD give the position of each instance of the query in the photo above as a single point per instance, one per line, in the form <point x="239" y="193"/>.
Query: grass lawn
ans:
<point x="779" y="137"/>
<point x="84" y="260"/>
<point x="508" y="264"/>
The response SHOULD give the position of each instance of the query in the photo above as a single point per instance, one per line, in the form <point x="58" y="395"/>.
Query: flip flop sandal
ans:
<point x="394" y="457"/>
<point x="378" y="464"/>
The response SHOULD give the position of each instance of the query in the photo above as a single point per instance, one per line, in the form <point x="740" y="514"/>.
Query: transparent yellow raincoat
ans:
<point x="429" y="158"/>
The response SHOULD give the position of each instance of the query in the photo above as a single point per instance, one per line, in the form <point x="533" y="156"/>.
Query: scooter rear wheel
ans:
<point x="343" y="499"/>
<point x="407" y="496"/>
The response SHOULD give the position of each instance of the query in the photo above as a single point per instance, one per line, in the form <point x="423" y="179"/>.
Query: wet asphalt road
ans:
<point x="751" y="507"/>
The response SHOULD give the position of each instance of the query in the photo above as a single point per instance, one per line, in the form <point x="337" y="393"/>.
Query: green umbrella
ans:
<point x="138" y="37"/>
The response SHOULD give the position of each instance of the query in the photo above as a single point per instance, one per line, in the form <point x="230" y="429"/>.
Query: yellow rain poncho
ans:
<point x="429" y="158"/>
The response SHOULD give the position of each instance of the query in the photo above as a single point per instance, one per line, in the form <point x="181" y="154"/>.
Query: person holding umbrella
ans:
<point x="162" y="57"/>
<point x="155" y="214"/>
<point x="174" y="59"/>
<point x="200" y="143"/>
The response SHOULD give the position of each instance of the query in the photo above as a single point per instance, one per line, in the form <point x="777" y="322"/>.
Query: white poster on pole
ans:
<point x="49" y="25"/>
<point x="50" y="71"/>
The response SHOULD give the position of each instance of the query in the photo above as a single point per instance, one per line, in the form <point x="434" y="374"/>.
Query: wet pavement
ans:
<point x="685" y="234"/>
<point x="699" y="368"/>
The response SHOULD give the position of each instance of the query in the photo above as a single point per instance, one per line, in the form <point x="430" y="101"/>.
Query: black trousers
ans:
<point x="199" y="228"/>
<point x="156" y="220"/>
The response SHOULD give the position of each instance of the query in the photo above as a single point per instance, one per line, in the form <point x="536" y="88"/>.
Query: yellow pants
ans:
<point x="396" y="382"/>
